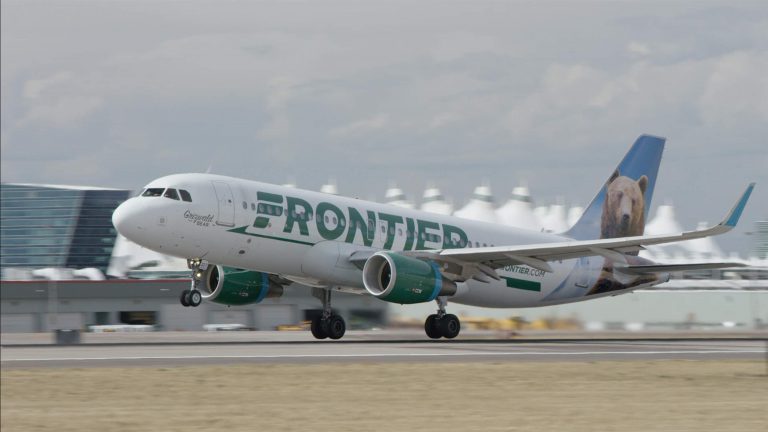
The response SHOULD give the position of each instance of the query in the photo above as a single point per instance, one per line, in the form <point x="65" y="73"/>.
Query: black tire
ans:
<point x="336" y="327"/>
<point x="318" y="328"/>
<point x="431" y="327"/>
<point x="194" y="298"/>
<point x="450" y="326"/>
<point x="183" y="299"/>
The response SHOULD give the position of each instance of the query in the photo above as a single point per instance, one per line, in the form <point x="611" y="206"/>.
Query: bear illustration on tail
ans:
<point x="624" y="207"/>
<point x="623" y="216"/>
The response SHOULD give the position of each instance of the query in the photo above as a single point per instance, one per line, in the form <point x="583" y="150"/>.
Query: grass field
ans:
<point x="547" y="396"/>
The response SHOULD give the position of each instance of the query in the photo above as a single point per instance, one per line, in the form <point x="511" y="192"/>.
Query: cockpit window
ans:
<point x="153" y="192"/>
<point x="185" y="196"/>
<point x="172" y="194"/>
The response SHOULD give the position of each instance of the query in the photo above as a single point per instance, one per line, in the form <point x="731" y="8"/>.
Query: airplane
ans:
<point x="244" y="241"/>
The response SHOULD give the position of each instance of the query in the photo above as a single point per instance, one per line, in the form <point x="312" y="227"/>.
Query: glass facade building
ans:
<point x="57" y="226"/>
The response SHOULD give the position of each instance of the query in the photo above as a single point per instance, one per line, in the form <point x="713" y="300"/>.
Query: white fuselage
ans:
<point x="309" y="237"/>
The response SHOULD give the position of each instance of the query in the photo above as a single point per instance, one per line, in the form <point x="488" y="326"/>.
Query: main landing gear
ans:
<point x="328" y="325"/>
<point x="442" y="324"/>
<point x="192" y="297"/>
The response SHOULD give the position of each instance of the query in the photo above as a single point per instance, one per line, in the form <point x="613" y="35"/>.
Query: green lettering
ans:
<point x="268" y="209"/>
<point x="409" y="233"/>
<point x="297" y="217"/>
<point x="424" y="235"/>
<point x="367" y="228"/>
<point x="454" y="237"/>
<point x="391" y="220"/>
<point x="322" y="228"/>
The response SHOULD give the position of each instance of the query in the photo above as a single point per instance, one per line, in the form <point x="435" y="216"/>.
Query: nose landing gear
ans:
<point x="192" y="297"/>
<point x="442" y="324"/>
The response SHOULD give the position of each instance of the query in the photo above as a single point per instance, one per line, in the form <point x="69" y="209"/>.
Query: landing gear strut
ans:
<point x="442" y="324"/>
<point x="192" y="296"/>
<point x="328" y="325"/>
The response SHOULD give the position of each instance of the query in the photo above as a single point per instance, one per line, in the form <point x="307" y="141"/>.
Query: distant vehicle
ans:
<point x="245" y="240"/>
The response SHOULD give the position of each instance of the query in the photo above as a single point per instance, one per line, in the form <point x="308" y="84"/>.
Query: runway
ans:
<point x="313" y="352"/>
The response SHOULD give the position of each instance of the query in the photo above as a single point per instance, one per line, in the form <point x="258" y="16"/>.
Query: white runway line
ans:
<point x="385" y="355"/>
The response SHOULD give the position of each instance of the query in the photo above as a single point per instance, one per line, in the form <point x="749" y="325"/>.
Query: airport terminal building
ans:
<point x="57" y="226"/>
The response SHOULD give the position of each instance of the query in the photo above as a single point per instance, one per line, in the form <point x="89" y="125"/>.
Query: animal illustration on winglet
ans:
<point x="624" y="207"/>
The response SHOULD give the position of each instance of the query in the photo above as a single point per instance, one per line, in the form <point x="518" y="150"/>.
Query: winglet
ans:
<point x="733" y="216"/>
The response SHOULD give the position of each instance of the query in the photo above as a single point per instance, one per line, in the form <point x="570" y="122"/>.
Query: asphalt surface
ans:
<point x="378" y="351"/>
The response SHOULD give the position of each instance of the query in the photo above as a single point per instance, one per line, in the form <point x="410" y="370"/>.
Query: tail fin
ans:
<point x="622" y="204"/>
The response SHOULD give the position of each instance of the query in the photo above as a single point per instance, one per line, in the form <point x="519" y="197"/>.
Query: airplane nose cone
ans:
<point x="125" y="218"/>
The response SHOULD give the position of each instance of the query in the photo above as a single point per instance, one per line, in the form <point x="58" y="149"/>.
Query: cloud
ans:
<point x="736" y="90"/>
<point x="61" y="112"/>
<point x="361" y="127"/>
<point x="638" y="48"/>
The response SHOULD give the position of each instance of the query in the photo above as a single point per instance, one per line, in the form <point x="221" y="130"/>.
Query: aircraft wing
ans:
<point x="537" y="255"/>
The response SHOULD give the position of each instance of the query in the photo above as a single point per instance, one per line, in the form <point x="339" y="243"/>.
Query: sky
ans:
<point x="452" y="93"/>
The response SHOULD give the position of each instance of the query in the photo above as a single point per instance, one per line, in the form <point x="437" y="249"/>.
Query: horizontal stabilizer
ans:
<point x="672" y="268"/>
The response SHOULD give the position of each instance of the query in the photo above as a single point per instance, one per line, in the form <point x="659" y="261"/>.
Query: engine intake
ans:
<point x="400" y="279"/>
<point x="233" y="286"/>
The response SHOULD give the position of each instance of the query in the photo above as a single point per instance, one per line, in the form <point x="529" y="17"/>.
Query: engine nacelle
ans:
<point x="233" y="286"/>
<point x="396" y="278"/>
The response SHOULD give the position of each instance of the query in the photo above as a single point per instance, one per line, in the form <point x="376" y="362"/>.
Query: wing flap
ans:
<point x="672" y="268"/>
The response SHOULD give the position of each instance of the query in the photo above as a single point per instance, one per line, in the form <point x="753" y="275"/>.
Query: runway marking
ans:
<point x="383" y="355"/>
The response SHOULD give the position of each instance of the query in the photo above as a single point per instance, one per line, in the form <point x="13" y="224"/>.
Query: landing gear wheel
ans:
<point x="194" y="298"/>
<point x="430" y="327"/>
<point x="183" y="298"/>
<point x="336" y="327"/>
<point x="450" y="326"/>
<point x="319" y="328"/>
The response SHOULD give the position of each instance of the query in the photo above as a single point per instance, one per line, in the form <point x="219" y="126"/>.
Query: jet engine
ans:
<point x="233" y="286"/>
<point x="401" y="279"/>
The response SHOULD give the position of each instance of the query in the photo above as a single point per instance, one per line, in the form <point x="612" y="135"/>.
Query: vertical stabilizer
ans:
<point x="621" y="207"/>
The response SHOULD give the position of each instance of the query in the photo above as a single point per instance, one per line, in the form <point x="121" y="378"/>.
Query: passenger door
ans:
<point x="226" y="216"/>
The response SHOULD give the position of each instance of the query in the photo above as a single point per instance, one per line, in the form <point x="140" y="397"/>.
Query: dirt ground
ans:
<point x="508" y="396"/>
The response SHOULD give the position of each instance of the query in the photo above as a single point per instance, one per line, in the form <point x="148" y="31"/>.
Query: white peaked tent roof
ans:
<point x="555" y="220"/>
<point x="434" y="202"/>
<point x="665" y="222"/>
<point x="704" y="247"/>
<point x="395" y="196"/>
<point x="480" y="207"/>
<point x="518" y="211"/>
<point x="574" y="214"/>
<point x="127" y="255"/>
<point x="330" y="188"/>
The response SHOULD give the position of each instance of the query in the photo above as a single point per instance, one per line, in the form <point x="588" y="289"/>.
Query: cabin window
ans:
<point x="153" y="192"/>
<point x="172" y="194"/>
<point x="185" y="196"/>
<point x="245" y="205"/>
<point x="253" y="206"/>
<point x="399" y="232"/>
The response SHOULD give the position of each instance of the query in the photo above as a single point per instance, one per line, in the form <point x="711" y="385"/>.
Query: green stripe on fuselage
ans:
<point x="242" y="230"/>
<point x="522" y="284"/>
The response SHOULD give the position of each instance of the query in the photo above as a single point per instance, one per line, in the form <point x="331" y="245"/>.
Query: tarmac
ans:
<point x="211" y="348"/>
